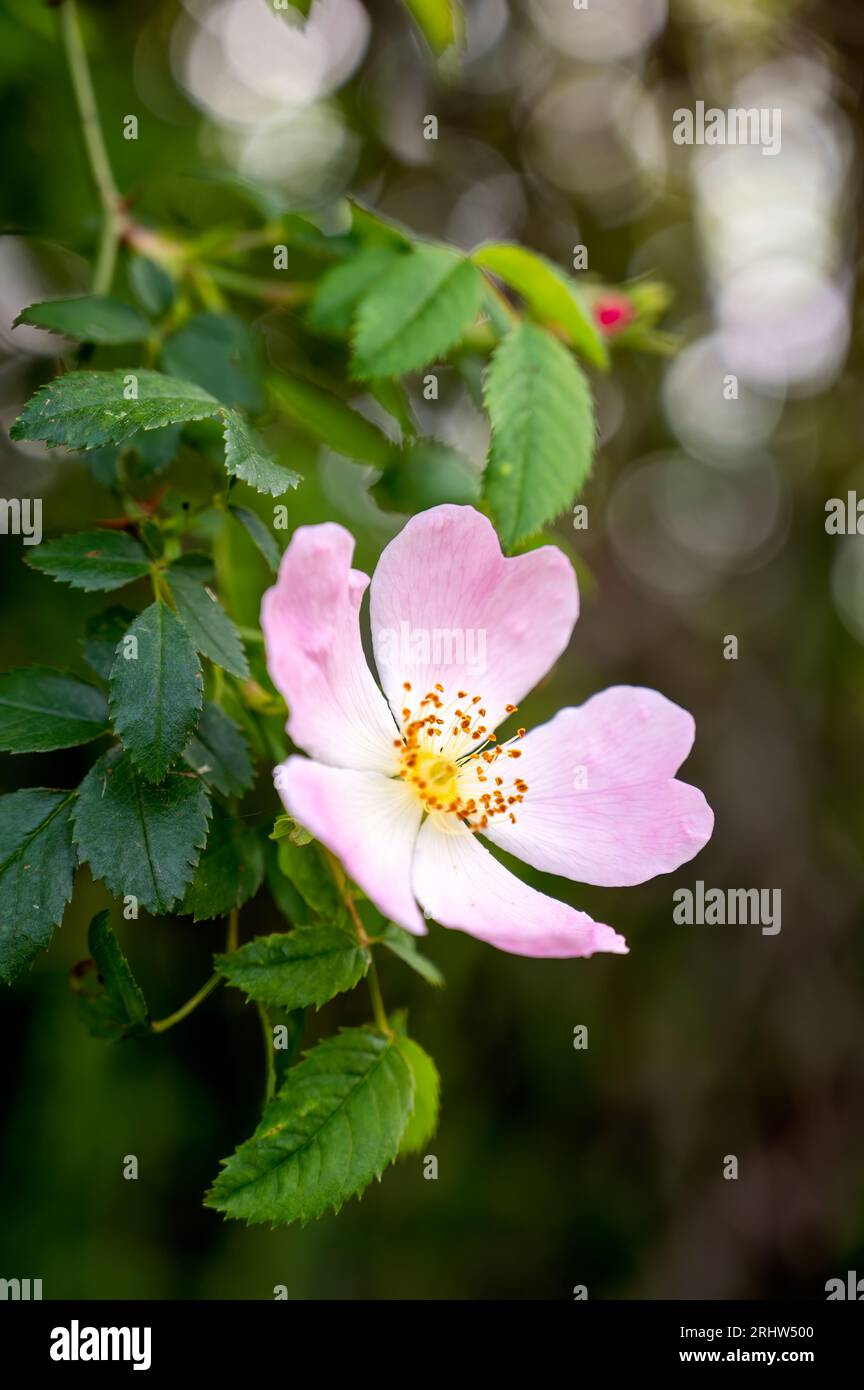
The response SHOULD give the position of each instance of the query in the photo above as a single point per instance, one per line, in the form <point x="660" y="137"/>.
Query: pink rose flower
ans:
<point x="403" y="786"/>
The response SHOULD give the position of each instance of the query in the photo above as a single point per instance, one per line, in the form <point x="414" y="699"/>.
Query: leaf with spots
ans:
<point x="92" y="559"/>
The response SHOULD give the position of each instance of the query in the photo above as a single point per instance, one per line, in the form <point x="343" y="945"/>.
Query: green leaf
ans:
<point x="441" y="22"/>
<point x="334" y="1126"/>
<point x="416" y="312"/>
<point x="219" y="754"/>
<point x="155" y="448"/>
<point x="425" y="475"/>
<point x="112" y="1005"/>
<point x="102" y="632"/>
<point x="260" y="534"/>
<point x="221" y="354"/>
<point x="151" y="285"/>
<point x="155" y="691"/>
<point x="92" y="559"/>
<point x="90" y="318"/>
<point x="246" y="457"/>
<point x="41" y="709"/>
<point x="308" y="870"/>
<point x="287" y="826"/>
<point x="329" y="419"/>
<point x="84" y="410"/>
<point x="427" y="1095"/>
<point x="288" y="1041"/>
<point x="341" y="289"/>
<point x="542" y="431"/>
<point x="37" y="865"/>
<point x="102" y="465"/>
<point x="212" y="632"/>
<point x="404" y="945"/>
<point x="229" y="872"/>
<point x="549" y="293"/>
<point x="142" y="839"/>
<point x="306" y="966"/>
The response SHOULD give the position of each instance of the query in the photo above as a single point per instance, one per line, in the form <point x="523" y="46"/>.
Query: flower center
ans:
<point x="449" y="756"/>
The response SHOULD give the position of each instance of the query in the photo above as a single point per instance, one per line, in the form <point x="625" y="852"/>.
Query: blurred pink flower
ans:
<point x="612" y="312"/>
<point x="401" y="788"/>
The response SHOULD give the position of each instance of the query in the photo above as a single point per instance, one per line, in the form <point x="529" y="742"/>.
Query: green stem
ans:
<point x="233" y="930"/>
<point x="254" y="287"/>
<point x="381" y="1020"/>
<point x="269" y="1058"/>
<point x="162" y="1024"/>
<point x="97" y="154"/>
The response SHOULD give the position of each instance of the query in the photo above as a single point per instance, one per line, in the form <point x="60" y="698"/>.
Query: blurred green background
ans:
<point x="557" y="1167"/>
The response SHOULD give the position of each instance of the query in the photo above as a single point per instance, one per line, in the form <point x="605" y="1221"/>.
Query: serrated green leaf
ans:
<point x="416" y="312"/>
<point x="423" y="1120"/>
<point x="90" y="318"/>
<point x="155" y="690"/>
<point x="542" y="420"/>
<point x="102" y="632"/>
<point x="427" y="474"/>
<point x="246" y="457"/>
<point x="151" y="285"/>
<point x="307" y="868"/>
<point x="330" y="420"/>
<point x="306" y="966"/>
<point x="142" y="839"/>
<point x="37" y="865"/>
<point x="263" y="538"/>
<point x="549" y="293"/>
<point x="404" y="945"/>
<point x="334" y="1126"/>
<point x="229" y="872"/>
<point x="41" y="710"/>
<point x="341" y="289"/>
<point x="111" y="1003"/>
<point x="85" y="410"/>
<point x="92" y="559"/>
<point x="219" y="754"/>
<point x="211" y="630"/>
<point x="221" y="354"/>
<point x="441" y="22"/>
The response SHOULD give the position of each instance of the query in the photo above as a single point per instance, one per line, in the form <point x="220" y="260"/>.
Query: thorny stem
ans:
<point x="97" y="154"/>
<point x="381" y="1021"/>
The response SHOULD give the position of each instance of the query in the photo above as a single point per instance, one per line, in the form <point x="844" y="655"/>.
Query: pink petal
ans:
<point x="315" y="657"/>
<point x="602" y="806"/>
<point x="368" y="821"/>
<point x="460" y="884"/>
<point x="500" y="623"/>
